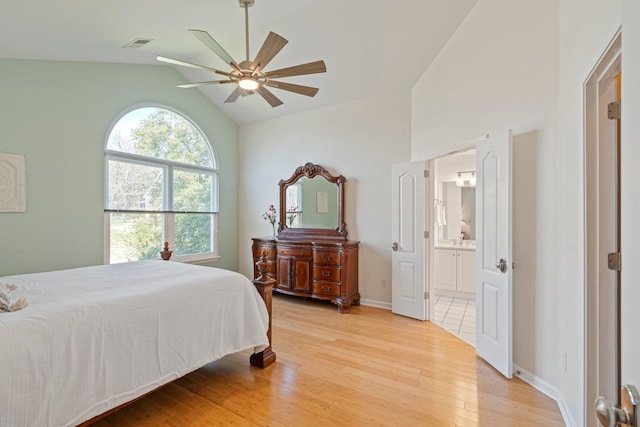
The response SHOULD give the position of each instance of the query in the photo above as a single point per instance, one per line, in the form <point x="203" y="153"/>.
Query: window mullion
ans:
<point x="170" y="229"/>
<point x="168" y="189"/>
<point x="169" y="218"/>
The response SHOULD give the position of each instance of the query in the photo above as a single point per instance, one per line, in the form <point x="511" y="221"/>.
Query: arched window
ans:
<point x="161" y="185"/>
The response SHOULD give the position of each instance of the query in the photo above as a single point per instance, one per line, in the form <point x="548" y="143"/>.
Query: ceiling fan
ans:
<point x="249" y="76"/>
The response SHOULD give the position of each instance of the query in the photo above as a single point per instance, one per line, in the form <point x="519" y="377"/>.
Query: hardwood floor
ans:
<point x="365" y="368"/>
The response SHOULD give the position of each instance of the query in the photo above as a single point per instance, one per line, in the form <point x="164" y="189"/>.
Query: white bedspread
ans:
<point x="93" y="338"/>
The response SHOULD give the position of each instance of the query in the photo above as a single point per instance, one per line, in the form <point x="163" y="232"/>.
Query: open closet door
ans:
<point x="409" y="224"/>
<point x="493" y="252"/>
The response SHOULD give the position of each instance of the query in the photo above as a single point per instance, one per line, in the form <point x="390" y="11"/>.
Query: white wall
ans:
<point x="360" y="140"/>
<point x="586" y="27"/>
<point x="521" y="65"/>
<point x="499" y="71"/>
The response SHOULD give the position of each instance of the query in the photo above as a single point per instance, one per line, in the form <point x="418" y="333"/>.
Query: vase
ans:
<point x="273" y="229"/>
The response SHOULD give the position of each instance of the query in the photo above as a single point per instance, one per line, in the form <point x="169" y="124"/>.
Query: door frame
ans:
<point x="600" y="89"/>
<point x="430" y="276"/>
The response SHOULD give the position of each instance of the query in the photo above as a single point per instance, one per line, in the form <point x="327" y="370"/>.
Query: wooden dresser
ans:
<point x="326" y="270"/>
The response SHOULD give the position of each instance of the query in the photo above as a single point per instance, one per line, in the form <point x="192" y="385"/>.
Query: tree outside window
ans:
<point x="161" y="186"/>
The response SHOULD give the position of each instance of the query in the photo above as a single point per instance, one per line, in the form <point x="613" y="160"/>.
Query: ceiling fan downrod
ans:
<point x="246" y="4"/>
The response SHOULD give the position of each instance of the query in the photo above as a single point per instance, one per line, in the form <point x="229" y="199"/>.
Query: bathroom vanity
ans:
<point x="455" y="270"/>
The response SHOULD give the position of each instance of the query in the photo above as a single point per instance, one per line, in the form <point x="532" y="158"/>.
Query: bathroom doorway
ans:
<point x="453" y="274"/>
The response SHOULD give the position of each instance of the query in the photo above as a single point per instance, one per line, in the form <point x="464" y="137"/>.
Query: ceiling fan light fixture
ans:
<point x="249" y="76"/>
<point x="248" y="83"/>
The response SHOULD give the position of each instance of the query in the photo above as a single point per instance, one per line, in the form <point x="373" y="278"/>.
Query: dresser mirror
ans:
<point x="312" y="205"/>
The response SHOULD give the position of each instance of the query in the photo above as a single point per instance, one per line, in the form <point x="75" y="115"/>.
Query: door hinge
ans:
<point x="614" y="261"/>
<point x="426" y="173"/>
<point x="426" y="234"/>
<point x="614" y="110"/>
<point x="426" y="295"/>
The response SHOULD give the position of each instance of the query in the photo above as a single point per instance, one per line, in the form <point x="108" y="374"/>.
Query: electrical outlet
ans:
<point x="383" y="282"/>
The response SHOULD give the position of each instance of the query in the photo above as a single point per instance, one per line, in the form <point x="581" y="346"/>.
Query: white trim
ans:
<point x="470" y="145"/>
<point x="547" y="389"/>
<point x="377" y="304"/>
<point x="605" y="61"/>
<point x="197" y="258"/>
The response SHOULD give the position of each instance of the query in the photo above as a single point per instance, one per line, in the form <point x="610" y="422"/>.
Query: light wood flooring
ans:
<point x="367" y="368"/>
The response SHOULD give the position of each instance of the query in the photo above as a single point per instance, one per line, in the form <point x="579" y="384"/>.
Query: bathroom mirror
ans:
<point x="460" y="205"/>
<point x="312" y="205"/>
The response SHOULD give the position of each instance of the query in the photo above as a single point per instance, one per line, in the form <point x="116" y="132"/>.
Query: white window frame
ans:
<point x="168" y="166"/>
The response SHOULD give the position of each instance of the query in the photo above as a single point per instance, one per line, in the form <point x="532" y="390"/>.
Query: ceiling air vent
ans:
<point x="136" y="43"/>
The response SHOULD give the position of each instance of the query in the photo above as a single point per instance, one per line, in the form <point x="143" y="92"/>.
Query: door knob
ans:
<point x="394" y="246"/>
<point x="502" y="265"/>
<point x="610" y="415"/>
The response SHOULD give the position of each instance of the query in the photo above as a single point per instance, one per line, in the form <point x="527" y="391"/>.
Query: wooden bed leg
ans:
<point x="264" y="284"/>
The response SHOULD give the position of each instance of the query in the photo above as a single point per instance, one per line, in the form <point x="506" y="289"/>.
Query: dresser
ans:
<point x="325" y="270"/>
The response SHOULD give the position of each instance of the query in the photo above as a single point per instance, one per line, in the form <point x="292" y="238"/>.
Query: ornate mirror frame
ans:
<point x="311" y="170"/>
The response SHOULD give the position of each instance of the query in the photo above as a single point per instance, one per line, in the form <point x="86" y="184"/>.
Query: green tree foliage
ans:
<point x="165" y="135"/>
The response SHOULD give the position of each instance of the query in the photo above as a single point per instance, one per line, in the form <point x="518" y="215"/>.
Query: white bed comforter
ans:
<point x="93" y="338"/>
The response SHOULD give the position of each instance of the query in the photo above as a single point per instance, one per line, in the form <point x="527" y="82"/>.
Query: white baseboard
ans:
<point x="374" y="303"/>
<point x="547" y="389"/>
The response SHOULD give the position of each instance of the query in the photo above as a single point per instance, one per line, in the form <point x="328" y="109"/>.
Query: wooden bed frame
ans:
<point x="266" y="357"/>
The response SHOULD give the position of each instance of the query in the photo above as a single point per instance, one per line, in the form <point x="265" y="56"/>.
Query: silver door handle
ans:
<point x="610" y="415"/>
<point x="502" y="265"/>
<point x="394" y="246"/>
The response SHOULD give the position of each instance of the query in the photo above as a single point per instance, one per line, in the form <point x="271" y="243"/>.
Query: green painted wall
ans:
<point x="58" y="114"/>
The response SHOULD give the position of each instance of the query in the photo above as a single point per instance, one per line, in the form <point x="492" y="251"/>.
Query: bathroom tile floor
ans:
<point x="456" y="315"/>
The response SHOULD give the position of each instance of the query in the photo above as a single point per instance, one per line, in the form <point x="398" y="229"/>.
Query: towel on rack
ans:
<point x="441" y="216"/>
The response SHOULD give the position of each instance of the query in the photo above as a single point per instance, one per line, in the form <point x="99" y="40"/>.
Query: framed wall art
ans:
<point x="13" y="185"/>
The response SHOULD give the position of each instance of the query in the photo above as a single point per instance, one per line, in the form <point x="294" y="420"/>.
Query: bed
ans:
<point x="92" y="339"/>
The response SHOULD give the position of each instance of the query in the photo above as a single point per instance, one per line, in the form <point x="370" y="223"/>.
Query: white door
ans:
<point x="630" y="298"/>
<point x="493" y="252"/>
<point x="408" y="222"/>
<point x="630" y="203"/>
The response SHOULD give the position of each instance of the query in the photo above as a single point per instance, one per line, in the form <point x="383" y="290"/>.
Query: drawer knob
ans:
<point x="325" y="273"/>
<point x="327" y="289"/>
<point x="326" y="257"/>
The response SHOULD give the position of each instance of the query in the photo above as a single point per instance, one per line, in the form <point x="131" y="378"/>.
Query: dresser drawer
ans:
<point x="295" y="252"/>
<point x="326" y="257"/>
<point x="326" y="289"/>
<point x="331" y="274"/>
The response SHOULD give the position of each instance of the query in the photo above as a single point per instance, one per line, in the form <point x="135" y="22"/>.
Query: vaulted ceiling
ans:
<point x="370" y="47"/>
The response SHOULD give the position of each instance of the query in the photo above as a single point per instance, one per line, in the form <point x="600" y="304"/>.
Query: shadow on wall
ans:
<point x="525" y="179"/>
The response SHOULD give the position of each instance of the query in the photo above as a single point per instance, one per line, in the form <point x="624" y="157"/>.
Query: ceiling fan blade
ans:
<point x="270" y="48"/>
<point x="209" y="42"/>
<point x="302" y="90"/>
<point x="298" y="70"/>
<point x="234" y="95"/>
<point x="268" y="96"/>
<point x="196" y="84"/>
<point x="190" y="64"/>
